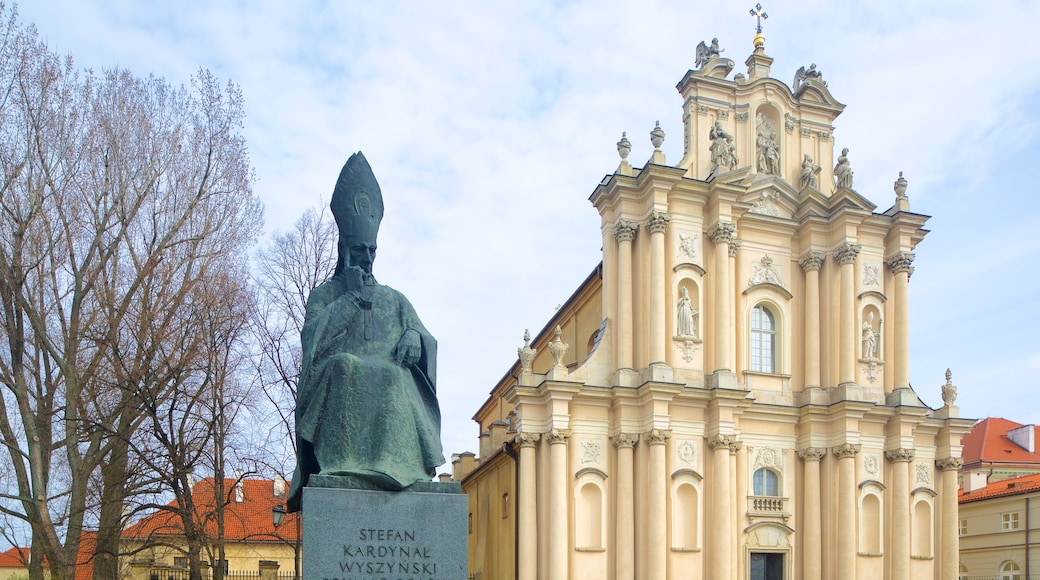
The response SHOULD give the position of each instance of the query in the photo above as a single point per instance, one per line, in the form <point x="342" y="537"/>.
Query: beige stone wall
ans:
<point x="986" y="545"/>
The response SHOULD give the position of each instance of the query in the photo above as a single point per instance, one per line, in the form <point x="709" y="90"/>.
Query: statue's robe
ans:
<point x="358" y="412"/>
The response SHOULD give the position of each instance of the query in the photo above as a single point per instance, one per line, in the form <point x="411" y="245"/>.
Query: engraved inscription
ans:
<point x="385" y="553"/>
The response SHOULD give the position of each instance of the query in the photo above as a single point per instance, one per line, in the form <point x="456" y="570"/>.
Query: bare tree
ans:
<point x="121" y="197"/>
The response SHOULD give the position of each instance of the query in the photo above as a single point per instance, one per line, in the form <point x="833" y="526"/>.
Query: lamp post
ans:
<point x="277" y="517"/>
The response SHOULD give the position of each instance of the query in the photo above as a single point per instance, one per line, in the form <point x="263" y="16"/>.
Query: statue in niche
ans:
<point x="706" y="52"/>
<point x="810" y="173"/>
<point x="366" y="408"/>
<point x="843" y="170"/>
<point x="686" y="316"/>
<point x="766" y="147"/>
<point x="723" y="152"/>
<point x="870" y="338"/>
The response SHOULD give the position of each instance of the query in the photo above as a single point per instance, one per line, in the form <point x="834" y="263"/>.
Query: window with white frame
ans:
<point x="1009" y="521"/>
<point x="1010" y="571"/>
<point x="763" y="340"/>
<point x="962" y="528"/>
<point x="766" y="483"/>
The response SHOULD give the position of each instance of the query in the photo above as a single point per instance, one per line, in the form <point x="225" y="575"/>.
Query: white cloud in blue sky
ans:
<point x="489" y="124"/>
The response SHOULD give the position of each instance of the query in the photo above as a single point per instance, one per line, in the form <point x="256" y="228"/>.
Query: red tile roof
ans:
<point x="14" y="558"/>
<point x="19" y="557"/>
<point x="988" y="444"/>
<point x="1004" y="487"/>
<point x="249" y="521"/>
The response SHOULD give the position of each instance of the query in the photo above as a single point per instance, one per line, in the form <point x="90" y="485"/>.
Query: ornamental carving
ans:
<point x="924" y="473"/>
<point x="625" y="440"/>
<point x="558" y="348"/>
<point x="812" y="260"/>
<point x="590" y="452"/>
<point x="702" y="110"/>
<point x="871" y="464"/>
<point x="723" y="113"/>
<point x="657" y="436"/>
<point x="900" y="455"/>
<point x="625" y="231"/>
<point x="734" y="245"/>
<point x="806" y="132"/>
<point x="687" y="453"/>
<point x="825" y="136"/>
<point x="688" y="246"/>
<point x="767" y="204"/>
<point x="845" y="450"/>
<point x="769" y="457"/>
<point x="657" y="222"/>
<point x="949" y="463"/>
<point x="724" y="441"/>
<point x="872" y="274"/>
<point x="901" y="262"/>
<point x="812" y="453"/>
<point x="526" y="353"/>
<point x="558" y="436"/>
<point x="527" y="439"/>
<point x="765" y="272"/>
<point x="846" y="253"/>
<point x="742" y="117"/>
<point x="949" y="390"/>
<point x="722" y="232"/>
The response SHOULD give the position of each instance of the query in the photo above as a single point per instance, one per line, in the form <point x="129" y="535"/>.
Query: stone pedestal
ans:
<point x="351" y="534"/>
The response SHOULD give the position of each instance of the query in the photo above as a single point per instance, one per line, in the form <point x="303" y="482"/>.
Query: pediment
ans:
<point x="718" y="68"/>
<point x="815" y="91"/>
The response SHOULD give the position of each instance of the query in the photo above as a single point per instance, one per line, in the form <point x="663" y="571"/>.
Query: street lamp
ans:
<point x="277" y="515"/>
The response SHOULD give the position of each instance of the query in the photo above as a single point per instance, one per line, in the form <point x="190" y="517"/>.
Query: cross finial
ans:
<point x="759" y="15"/>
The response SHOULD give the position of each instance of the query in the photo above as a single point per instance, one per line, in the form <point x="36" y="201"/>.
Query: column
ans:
<point x="812" y="521"/>
<point x="845" y="256"/>
<point x="846" y="544"/>
<point x="721" y="234"/>
<point x="658" y="517"/>
<point x="901" y="269"/>
<point x="900" y="511"/>
<point x="720" y="560"/>
<point x="811" y="263"/>
<point x="656" y="224"/>
<point x="527" y="506"/>
<point x="624" y="233"/>
<point x="949" y="564"/>
<point x="734" y="246"/>
<point x="625" y="542"/>
<point x="559" y="542"/>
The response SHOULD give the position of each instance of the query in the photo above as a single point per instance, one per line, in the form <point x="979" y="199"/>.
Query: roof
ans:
<point x="1005" y="487"/>
<point x="18" y="558"/>
<point x="988" y="444"/>
<point x="14" y="558"/>
<point x="248" y="521"/>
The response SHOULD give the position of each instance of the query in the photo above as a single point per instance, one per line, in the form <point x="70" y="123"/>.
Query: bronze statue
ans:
<point x="366" y="406"/>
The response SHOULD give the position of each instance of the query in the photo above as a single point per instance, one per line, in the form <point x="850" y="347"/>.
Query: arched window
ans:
<point x="1010" y="571"/>
<point x="766" y="483"/>
<point x="763" y="340"/>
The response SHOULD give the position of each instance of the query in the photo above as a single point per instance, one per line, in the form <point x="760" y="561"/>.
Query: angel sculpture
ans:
<point x="802" y="74"/>
<point x="706" y="53"/>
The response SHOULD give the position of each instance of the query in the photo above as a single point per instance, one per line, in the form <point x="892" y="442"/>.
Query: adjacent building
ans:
<point x="727" y="394"/>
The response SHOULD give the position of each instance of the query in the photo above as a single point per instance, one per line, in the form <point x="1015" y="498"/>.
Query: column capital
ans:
<point x="657" y="436"/>
<point x="812" y="453"/>
<point x="812" y="260"/>
<point x="527" y="439"/>
<point x="949" y="463"/>
<point x="558" y="436"/>
<point x="625" y="440"/>
<point x="900" y="455"/>
<point x="901" y="262"/>
<point x="722" y="232"/>
<point x="734" y="245"/>
<point x="657" y="222"/>
<point x="625" y="230"/>
<point x="846" y="253"/>
<point x="846" y="450"/>
<point x="720" y="441"/>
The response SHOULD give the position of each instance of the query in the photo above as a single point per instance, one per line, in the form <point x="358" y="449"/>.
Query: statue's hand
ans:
<point x="408" y="349"/>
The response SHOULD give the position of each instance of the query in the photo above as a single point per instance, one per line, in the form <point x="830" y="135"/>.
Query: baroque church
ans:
<point x="727" y="394"/>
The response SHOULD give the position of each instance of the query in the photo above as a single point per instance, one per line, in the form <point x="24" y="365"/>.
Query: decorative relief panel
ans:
<point x="590" y="452"/>
<point x="765" y="272"/>
<point x="923" y="473"/>
<point x="768" y="457"/>
<point x="767" y="204"/>
<point x="871" y="465"/>
<point x="686" y="453"/>
<point x="688" y="246"/>
<point x="872" y="274"/>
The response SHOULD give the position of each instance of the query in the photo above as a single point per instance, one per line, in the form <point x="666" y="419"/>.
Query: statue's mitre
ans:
<point x="357" y="203"/>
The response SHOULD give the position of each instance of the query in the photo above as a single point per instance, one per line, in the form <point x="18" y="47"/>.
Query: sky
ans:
<point x="489" y="124"/>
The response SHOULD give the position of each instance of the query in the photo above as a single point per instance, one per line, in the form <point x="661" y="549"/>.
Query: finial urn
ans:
<point x="657" y="135"/>
<point x="624" y="146"/>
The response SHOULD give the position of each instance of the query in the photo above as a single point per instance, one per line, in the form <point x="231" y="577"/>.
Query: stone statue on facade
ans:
<point x="706" y="52"/>
<point x="802" y="75"/>
<point x="810" y="176"/>
<point x="723" y="152"/>
<point x="843" y="170"/>
<point x="686" y="316"/>
<point x="766" y="148"/>
<point x="869" y="338"/>
<point x="366" y="407"/>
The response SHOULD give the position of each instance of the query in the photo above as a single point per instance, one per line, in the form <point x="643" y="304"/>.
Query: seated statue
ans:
<point x="366" y="405"/>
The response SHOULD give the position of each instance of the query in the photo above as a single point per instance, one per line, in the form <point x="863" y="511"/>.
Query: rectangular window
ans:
<point x="180" y="561"/>
<point x="962" y="528"/>
<point x="1009" y="521"/>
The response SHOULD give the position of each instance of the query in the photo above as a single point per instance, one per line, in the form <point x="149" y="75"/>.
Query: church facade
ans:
<point x="727" y="394"/>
